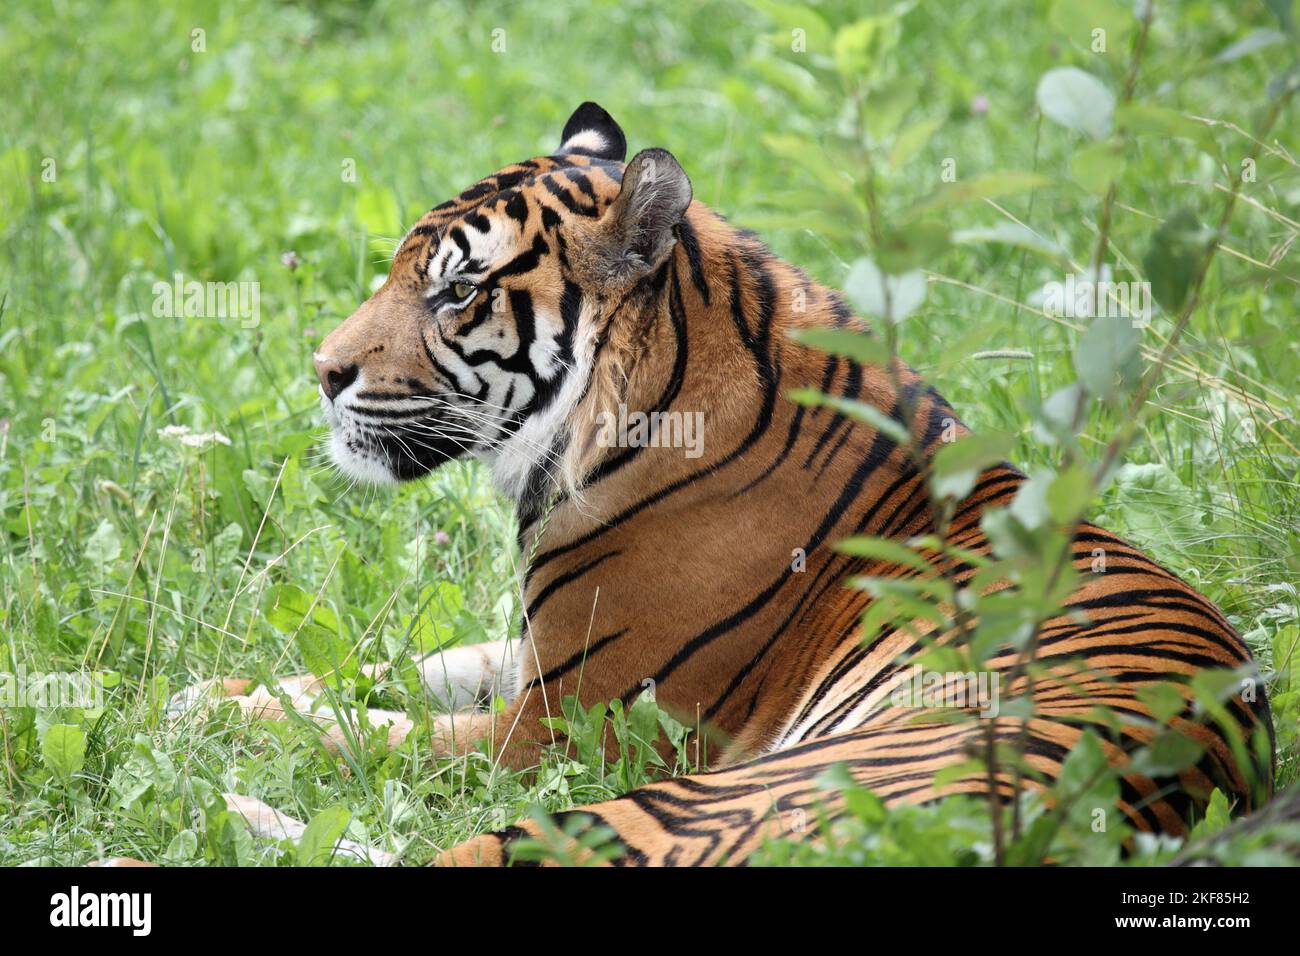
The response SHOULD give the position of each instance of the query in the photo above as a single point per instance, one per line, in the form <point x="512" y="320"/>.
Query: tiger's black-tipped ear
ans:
<point x="592" y="132"/>
<point x="639" y="225"/>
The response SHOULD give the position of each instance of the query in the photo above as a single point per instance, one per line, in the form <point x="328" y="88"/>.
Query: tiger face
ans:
<point x="483" y="338"/>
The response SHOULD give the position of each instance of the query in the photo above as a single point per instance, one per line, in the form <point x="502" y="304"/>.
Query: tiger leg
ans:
<point x="299" y="696"/>
<point x="470" y="675"/>
<point x="458" y="679"/>
<point x="513" y="736"/>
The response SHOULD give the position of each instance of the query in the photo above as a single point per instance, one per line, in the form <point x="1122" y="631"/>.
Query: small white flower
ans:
<point x="204" y="440"/>
<point x="191" y="439"/>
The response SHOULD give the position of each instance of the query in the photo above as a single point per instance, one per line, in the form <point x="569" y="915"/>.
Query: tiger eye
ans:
<point x="463" y="290"/>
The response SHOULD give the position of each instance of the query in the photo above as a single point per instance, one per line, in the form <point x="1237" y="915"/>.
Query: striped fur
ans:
<point x="646" y="564"/>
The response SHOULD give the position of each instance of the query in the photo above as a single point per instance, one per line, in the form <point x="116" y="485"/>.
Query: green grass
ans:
<point x="126" y="551"/>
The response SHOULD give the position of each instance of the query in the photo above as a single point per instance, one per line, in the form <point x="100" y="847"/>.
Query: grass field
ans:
<point x="164" y="500"/>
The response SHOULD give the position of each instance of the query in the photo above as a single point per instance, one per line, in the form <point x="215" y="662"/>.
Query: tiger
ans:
<point x="571" y="291"/>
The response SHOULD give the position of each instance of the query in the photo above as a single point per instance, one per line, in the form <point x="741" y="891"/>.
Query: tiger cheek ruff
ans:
<point x="618" y="356"/>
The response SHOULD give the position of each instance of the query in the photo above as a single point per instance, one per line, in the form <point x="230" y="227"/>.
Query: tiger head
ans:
<point x="483" y="339"/>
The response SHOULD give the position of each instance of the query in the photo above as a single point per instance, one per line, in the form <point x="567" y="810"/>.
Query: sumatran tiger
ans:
<point x="568" y="292"/>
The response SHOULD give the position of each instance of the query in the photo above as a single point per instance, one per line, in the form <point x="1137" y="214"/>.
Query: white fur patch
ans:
<point x="588" y="139"/>
<point x="513" y="461"/>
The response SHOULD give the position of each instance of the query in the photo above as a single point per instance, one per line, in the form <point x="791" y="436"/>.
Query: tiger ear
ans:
<point x="638" y="228"/>
<point x="592" y="132"/>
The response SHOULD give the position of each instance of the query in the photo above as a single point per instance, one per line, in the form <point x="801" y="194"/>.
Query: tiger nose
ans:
<point x="334" y="375"/>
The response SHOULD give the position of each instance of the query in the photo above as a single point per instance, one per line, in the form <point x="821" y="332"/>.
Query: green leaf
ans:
<point x="433" y="627"/>
<point x="1029" y="506"/>
<point x="321" y="835"/>
<point x="104" y="546"/>
<point x="1077" y="100"/>
<point x="1055" y="422"/>
<point x="910" y="141"/>
<point x="1165" y="756"/>
<point x="1284" y="10"/>
<point x="862" y="47"/>
<point x="148" y="770"/>
<point x="1069" y="493"/>
<point x="1173" y="257"/>
<point x="1157" y="508"/>
<point x="1085" y="761"/>
<point x="887" y="297"/>
<point x="857" y="410"/>
<point x="1164" y="700"/>
<point x="1008" y="536"/>
<point x="315" y="629"/>
<point x="228" y="839"/>
<point x="1252" y="42"/>
<point x="958" y="465"/>
<point x="1013" y="234"/>
<point x="1218" y="814"/>
<point x="63" y="747"/>
<point x="1107" y="356"/>
<point x="861" y="347"/>
<point x="883" y="549"/>
<point x="1142" y="119"/>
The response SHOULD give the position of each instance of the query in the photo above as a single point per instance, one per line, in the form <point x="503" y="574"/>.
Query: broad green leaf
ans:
<point x="883" y="549"/>
<point x="315" y="629"/>
<point x="857" y="410"/>
<point x="63" y="747"/>
<point x="146" y="770"/>
<point x="861" y="347"/>
<point x="434" y="625"/>
<point x="1008" y="536"/>
<point x="1252" y="42"/>
<point x="1069" y="493"/>
<point x="1168" y="754"/>
<point x="886" y="297"/>
<point x="1218" y="814"/>
<point x="1029" y="506"/>
<point x="1164" y="700"/>
<point x="958" y="465"/>
<point x="862" y="47"/>
<point x="1013" y="234"/>
<point x="1143" y="119"/>
<point x="1173" y="257"/>
<point x="1055" y="422"/>
<point x="791" y="79"/>
<point x="910" y="141"/>
<point x="1107" y="355"/>
<point x="228" y="839"/>
<point x="790" y="17"/>
<point x="322" y="833"/>
<point x="1077" y="100"/>
<point x="104" y="546"/>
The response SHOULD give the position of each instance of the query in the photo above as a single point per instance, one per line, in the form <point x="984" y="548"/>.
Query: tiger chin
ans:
<point x="565" y="289"/>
